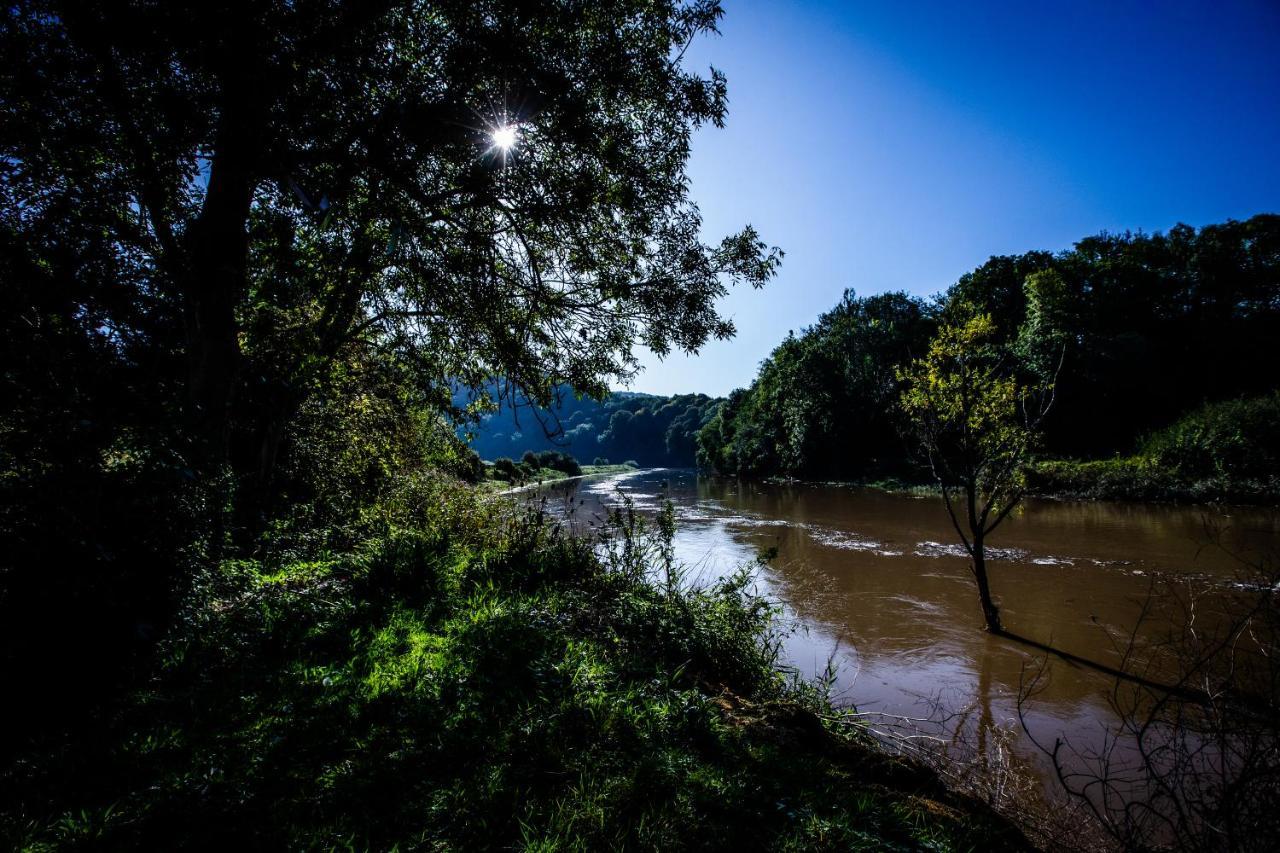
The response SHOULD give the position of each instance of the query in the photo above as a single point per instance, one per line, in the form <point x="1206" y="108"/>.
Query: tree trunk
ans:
<point x="990" y="612"/>
<point x="217" y="264"/>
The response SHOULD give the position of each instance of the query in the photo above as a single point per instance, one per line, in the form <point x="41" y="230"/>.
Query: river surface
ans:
<point x="874" y="583"/>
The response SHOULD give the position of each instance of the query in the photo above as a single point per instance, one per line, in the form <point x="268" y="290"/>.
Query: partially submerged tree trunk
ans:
<point x="990" y="611"/>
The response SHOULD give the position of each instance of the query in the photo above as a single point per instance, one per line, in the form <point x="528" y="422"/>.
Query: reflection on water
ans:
<point x="878" y="581"/>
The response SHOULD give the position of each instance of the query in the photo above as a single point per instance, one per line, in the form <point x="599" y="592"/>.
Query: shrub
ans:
<point x="558" y="461"/>
<point x="470" y="467"/>
<point x="631" y="463"/>
<point x="1232" y="440"/>
<point x="504" y="469"/>
<point x="599" y="460"/>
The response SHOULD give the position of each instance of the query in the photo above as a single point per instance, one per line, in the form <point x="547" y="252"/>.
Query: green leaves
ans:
<point x="975" y="418"/>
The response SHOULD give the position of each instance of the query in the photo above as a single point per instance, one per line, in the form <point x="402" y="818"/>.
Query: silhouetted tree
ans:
<point x="285" y="181"/>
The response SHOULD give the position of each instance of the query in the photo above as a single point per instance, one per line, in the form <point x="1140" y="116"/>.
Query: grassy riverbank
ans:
<point x="1135" y="478"/>
<point x="466" y="678"/>
<point x="1131" y="479"/>
<point x="1222" y="452"/>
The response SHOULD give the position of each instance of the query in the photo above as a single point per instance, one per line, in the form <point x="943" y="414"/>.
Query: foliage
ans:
<point x="1123" y="478"/>
<point x="1227" y="451"/>
<point x="1230" y="441"/>
<point x="535" y="466"/>
<point x="1149" y="319"/>
<point x="1136" y="328"/>
<point x="557" y="461"/>
<point x="823" y="403"/>
<point x="248" y="263"/>
<point x="294" y="179"/>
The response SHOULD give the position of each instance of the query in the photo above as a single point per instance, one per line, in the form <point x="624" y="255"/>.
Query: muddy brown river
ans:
<point x="874" y="583"/>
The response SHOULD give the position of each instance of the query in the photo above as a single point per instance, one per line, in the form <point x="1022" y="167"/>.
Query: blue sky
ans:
<point x="896" y="145"/>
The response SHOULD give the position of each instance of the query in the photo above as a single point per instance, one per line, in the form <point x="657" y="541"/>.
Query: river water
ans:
<point x="874" y="583"/>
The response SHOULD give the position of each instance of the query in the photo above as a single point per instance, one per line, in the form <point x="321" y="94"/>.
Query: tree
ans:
<point x="287" y="183"/>
<point x="824" y="401"/>
<point x="250" y="249"/>
<point x="977" y="423"/>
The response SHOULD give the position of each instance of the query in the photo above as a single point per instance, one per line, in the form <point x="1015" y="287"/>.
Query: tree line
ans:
<point x="1148" y="328"/>
<point x="652" y="430"/>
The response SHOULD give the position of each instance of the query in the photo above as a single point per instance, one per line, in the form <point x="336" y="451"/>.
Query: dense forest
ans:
<point x="650" y="430"/>
<point x="1147" y="329"/>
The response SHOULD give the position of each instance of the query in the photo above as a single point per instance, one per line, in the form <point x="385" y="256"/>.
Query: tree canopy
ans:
<point x="236" y="203"/>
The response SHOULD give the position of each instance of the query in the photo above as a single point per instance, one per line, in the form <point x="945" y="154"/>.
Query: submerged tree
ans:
<point x="977" y="421"/>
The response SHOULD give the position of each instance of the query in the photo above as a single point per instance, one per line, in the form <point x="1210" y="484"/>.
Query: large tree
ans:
<point x="483" y="189"/>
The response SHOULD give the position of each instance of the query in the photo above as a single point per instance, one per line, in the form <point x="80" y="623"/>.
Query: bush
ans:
<point x="1121" y="479"/>
<point x="530" y="460"/>
<point x="1231" y="441"/>
<point x="599" y="460"/>
<point x="470" y="467"/>
<point x="480" y="682"/>
<point x="558" y="461"/>
<point x="505" y="469"/>
<point x="631" y="463"/>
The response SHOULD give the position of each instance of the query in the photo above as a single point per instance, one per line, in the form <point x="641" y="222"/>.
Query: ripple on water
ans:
<point x="941" y="549"/>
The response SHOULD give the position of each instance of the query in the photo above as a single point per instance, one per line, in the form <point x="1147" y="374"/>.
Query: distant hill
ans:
<point x="645" y="428"/>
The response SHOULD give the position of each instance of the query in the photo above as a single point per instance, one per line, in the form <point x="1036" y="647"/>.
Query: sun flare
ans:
<point x="504" y="137"/>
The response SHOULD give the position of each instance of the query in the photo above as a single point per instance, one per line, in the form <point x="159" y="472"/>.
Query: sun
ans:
<point x="504" y="137"/>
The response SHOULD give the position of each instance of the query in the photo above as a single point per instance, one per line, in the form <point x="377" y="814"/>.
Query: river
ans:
<point x="874" y="583"/>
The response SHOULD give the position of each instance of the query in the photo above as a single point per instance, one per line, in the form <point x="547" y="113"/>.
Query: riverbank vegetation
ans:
<point x="1225" y="451"/>
<point x="545" y="467"/>
<point x="463" y="676"/>
<point x="1142" y="325"/>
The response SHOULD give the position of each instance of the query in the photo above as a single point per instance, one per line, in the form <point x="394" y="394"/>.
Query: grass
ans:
<point x="476" y="680"/>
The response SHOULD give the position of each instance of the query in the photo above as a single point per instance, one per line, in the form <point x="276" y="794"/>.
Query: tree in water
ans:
<point x="976" y="405"/>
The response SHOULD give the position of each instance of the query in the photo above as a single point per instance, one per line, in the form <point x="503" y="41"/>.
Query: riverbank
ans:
<point x="1135" y="479"/>
<point x="1122" y="480"/>
<point x="547" y="476"/>
<point x="465" y="678"/>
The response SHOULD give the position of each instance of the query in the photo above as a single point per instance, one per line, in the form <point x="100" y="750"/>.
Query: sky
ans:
<point x="897" y="145"/>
